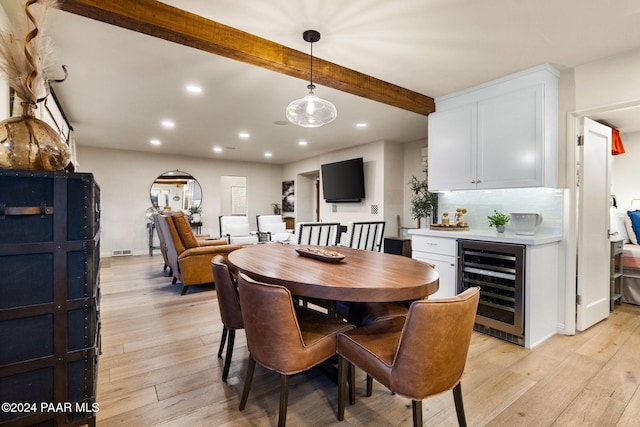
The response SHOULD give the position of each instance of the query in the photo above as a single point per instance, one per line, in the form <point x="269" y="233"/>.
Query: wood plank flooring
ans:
<point x="159" y="367"/>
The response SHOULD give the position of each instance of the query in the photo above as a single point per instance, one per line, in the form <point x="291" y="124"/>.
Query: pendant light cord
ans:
<point x="311" y="86"/>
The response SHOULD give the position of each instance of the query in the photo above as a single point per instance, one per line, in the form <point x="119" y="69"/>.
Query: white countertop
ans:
<point x="489" y="236"/>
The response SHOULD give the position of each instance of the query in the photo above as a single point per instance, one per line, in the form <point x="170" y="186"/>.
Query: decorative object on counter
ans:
<point x="498" y="219"/>
<point x="458" y="223"/>
<point x="526" y="223"/>
<point x="423" y="202"/>
<point x="445" y="218"/>
<point x="28" y="142"/>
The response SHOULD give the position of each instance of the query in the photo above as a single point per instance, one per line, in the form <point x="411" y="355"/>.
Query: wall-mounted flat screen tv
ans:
<point x="343" y="181"/>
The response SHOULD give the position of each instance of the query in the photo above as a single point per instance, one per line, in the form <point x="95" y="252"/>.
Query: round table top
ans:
<point x="362" y="276"/>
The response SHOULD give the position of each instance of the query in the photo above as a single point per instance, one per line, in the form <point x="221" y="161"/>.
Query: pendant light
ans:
<point x="311" y="111"/>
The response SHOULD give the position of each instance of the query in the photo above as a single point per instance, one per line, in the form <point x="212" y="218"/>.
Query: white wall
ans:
<point x="413" y="166"/>
<point x="610" y="81"/>
<point x="626" y="173"/>
<point x="373" y="157"/>
<point x="125" y="178"/>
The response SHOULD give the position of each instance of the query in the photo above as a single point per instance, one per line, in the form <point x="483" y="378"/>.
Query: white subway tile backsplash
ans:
<point x="481" y="203"/>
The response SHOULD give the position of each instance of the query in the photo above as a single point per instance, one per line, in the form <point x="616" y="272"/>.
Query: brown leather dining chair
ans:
<point x="283" y="338"/>
<point x="421" y="357"/>
<point x="229" y="305"/>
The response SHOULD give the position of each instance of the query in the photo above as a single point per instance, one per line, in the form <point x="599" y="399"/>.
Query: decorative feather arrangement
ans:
<point x="26" y="55"/>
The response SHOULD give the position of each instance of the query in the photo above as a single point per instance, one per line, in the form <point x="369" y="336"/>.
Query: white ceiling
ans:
<point x="122" y="84"/>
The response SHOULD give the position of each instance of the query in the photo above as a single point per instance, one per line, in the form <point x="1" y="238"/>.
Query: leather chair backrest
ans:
<point x="318" y="233"/>
<point x="271" y="326"/>
<point x="175" y="235"/>
<point x="163" y="222"/>
<point x="161" y="237"/>
<point x="433" y="346"/>
<point x="228" y="300"/>
<point x="367" y="235"/>
<point x="183" y="227"/>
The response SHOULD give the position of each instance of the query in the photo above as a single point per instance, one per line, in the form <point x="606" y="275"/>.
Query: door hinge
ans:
<point x="579" y="299"/>
<point x="580" y="140"/>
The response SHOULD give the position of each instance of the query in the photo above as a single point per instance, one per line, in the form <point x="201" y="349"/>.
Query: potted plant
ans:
<point x="498" y="219"/>
<point x="277" y="210"/>
<point x="195" y="211"/>
<point x="423" y="202"/>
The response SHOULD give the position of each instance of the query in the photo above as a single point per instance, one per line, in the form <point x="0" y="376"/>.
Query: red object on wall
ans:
<point x="616" y="143"/>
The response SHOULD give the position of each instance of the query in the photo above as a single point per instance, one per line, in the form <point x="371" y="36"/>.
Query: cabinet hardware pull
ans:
<point x="25" y="210"/>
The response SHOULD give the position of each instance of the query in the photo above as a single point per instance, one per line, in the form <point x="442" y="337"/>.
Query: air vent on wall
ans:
<point x="374" y="209"/>
<point x="121" y="252"/>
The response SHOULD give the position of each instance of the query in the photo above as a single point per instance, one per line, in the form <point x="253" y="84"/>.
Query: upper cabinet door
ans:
<point x="452" y="148"/>
<point x="502" y="134"/>
<point x="511" y="139"/>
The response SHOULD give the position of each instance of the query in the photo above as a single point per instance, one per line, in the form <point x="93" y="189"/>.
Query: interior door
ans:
<point x="593" y="225"/>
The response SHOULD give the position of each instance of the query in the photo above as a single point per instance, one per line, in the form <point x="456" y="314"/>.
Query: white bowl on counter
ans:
<point x="525" y="223"/>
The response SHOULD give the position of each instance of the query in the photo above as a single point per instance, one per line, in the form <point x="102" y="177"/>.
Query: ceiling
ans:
<point x="122" y="84"/>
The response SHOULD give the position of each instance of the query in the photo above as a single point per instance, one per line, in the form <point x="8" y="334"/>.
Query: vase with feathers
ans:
<point x="25" y="61"/>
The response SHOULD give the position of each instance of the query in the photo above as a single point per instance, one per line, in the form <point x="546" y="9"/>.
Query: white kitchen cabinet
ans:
<point x="502" y="134"/>
<point x="540" y="273"/>
<point x="442" y="253"/>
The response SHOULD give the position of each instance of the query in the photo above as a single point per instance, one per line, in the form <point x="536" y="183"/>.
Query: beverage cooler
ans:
<point x="498" y="269"/>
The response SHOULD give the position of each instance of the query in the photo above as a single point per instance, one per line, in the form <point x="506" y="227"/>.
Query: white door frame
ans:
<point x="570" y="219"/>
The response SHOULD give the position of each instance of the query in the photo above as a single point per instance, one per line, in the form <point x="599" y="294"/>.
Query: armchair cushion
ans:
<point x="275" y="227"/>
<point x="195" y="263"/>
<point x="235" y="230"/>
<point x="184" y="229"/>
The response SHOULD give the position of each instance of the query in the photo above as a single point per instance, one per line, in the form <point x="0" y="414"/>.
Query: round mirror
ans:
<point x="176" y="191"/>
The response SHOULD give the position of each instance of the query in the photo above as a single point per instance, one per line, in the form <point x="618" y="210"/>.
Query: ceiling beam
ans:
<point x="169" y="23"/>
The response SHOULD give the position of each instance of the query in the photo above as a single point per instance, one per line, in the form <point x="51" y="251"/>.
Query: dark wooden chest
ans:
<point x="49" y="297"/>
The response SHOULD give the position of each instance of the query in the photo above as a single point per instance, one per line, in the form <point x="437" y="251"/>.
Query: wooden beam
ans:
<point x="169" y="23"/>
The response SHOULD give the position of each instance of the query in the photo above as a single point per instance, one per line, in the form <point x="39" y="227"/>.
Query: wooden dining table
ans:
<point x="361" y="276"/>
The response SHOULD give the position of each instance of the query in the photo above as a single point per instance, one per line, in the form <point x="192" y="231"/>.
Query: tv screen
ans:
<point x="343" y="181"/>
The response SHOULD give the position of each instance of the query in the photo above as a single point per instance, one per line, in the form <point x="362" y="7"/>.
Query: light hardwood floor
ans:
<point x="159" y="366"/>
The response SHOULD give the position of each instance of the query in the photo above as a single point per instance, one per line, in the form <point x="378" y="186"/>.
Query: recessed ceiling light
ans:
<point x="244" y="135"/>
<point x="217" y="149"/>
<point x="194" y="89"/>
<point x="155" y="142"/>
<point x="302" y="143"/>
<point x="167" y="124"/>
<point x="268" y="154"/>
<point x="361" y="125"/>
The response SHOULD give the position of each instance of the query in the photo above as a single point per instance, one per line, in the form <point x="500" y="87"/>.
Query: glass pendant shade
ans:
<point x="311" y="111"/>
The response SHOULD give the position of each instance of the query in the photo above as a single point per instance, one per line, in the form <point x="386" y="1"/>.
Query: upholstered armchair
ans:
<point x="274" y="227"/>
<point x="189" y="260"/>
<point x="235" y="229"/>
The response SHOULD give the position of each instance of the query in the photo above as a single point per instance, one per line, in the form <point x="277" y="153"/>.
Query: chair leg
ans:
<point x="222" y="341"/>
<point x="416" y="405"/>
<point x="174" y="281"/>
<point x="284" y="398"/>
<point x="251" y="366"/>
<point x="457" y="398"/>
<point x="227" y="359"/>
<point x="351" y="375"/>
<point x="342" y="376"/>
<point x="184" y="290"/>
<point x="369" y="385"/>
